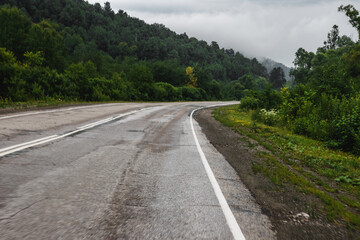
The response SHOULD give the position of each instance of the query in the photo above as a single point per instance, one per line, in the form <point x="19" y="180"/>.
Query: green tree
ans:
<point x="277" y="78"/>
<point x="100" y="36"/>
<point x="332" y="39"/>
<point x="70" y="33"/>
<point x="352" y="61"/>
<point x="303" y="64"/>
<point x="353" y="14"/>
<point x="78" y="80"/>
<point x="168" y="72"/>
<point x="14" y="30"/>
<point x="34" y="59"/>
<point x="143" y="81"/>
<point x="45" y="37"/>
<point x="11" y="84"/>
<point x="214" y="90"/>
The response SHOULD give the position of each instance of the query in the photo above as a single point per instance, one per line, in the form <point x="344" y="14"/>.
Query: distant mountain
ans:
<point x="271" y="64"/>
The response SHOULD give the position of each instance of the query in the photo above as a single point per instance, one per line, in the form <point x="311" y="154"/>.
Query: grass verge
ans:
<point x="305" y="164"/>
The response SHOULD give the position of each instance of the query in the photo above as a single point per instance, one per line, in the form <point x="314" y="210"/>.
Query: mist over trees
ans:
<point x="277" y="78"/>
<point x="270" y="65"/>
<point x="67" y="49"/>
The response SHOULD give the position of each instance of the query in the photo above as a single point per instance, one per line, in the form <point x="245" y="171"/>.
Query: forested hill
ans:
<point x="82" y="51"/>
<point x="270" y="65"/>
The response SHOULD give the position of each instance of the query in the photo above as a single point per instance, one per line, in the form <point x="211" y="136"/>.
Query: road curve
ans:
<point x="136" y="176"/>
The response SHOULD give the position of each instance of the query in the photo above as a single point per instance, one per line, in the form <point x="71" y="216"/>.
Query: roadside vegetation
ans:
<point x="311" y="131"/>
<point x="304" y="164"/>
<point x="324" y="101"/>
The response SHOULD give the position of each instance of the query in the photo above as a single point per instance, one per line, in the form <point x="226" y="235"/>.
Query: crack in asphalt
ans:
<point x="22" y="210"/>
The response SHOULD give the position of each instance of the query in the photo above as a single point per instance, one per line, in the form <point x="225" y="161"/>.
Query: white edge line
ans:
<point x="27" y="145"/>
<point x="22" y="146"/>
<point x="231" y="220"/>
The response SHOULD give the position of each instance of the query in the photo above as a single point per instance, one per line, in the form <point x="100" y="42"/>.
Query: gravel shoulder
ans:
<point x="289" y="211"/>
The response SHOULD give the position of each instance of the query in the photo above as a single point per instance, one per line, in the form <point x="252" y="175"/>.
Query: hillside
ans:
<point x="271" y="64"/>
<point x="96" y="54"/>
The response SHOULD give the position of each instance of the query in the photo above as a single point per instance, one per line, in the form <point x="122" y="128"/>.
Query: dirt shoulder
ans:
<point x="26" y="108"/>
<point x="292" y="213"/>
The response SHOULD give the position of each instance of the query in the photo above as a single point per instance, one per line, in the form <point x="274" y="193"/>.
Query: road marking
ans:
<point x="22" y="146"/>
<point x="230" y="219"/>
<point x="56" y="110"/>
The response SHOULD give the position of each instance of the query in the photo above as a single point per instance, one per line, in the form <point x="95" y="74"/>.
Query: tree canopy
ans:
<point x="324" y="103"/>
<point x="70" y="33"/>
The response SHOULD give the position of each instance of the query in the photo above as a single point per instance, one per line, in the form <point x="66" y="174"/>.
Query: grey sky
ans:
<point x="257" y="28"/>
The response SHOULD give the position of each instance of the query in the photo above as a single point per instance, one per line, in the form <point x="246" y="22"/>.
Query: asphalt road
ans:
<point x="137" y="175"/>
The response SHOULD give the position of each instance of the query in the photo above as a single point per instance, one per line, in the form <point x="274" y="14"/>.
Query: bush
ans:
<point x="166" y="92"/>
<point x="346" y="134"/>
<point x="249" y="103"/>
<point x="300" y="126"/>
<point x="190" y="93"/>
<point x="270" y="118"/>
<point x="322" y="117"/>
<point x="268" y="99"/>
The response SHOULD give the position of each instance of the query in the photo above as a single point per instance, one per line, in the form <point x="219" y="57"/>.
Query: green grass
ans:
<point x="307" y="165"/>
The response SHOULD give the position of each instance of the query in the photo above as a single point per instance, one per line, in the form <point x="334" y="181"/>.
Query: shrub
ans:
<point x="270" y="117"/>
<point x="166" y="92"/>
<point x="346" y="134"/>
<point x="300" y="126"/>
<point x="190" y="93"/>
<point x="249" y="103"/>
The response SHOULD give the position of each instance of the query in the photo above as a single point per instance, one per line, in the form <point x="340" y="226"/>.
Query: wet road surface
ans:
<point x="137" y="177"/>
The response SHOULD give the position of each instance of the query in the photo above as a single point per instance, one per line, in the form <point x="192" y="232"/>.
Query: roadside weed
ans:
<point x="308" y="165"/>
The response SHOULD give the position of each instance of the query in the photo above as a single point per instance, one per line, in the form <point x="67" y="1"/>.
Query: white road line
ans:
<point x="231" y="221"/>
<point x="22" y="146"/>
<point x="56" y="110"/>
<point x="28" y="145"/>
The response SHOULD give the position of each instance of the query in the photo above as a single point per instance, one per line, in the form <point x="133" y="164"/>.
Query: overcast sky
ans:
<point x="256" y="28"/>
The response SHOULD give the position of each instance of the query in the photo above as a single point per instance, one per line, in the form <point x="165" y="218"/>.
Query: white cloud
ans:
<point x="260" y="28"/>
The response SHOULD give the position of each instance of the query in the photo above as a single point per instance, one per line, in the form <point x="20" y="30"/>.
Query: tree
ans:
<point x="44" y="37"/>
<point x="353" y="14"/>
<point x="14" y="30"/>
<point x="108" y="11"/>
<point x="303" y="64"/>
<point x="237" y="91"/>
<point x="11" y="84"/>
<point x="214" y="45"/>
<point x="192" y="80"/>
<point x="332" y="39"/>
<point x="34" y="59"/>
<point x="214" y="89"/>
<point x="143" y="80"/>
<point x="345" y="41"/>
<point x="353" y="65"/>
<point x="100" y="36"/>
<point x="64" y="35"/>
<point x="169" y="72"/>
<point x="78" y="80"/>
<point x="277" y="78"/>
<point x="303" y="58"/>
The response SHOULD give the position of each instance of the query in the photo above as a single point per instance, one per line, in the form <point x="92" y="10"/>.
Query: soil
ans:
<point x="294" y="215"/>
